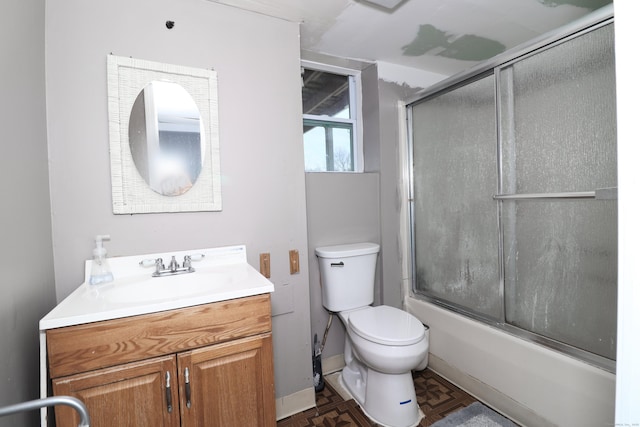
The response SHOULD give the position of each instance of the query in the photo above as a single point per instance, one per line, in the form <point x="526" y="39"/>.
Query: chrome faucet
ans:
<point x="174" y="266"/>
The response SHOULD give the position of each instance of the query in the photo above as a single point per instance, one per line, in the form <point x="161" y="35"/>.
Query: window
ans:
<point x="330" y="120"/>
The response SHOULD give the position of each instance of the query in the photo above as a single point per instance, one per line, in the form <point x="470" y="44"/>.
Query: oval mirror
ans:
<point x="166" y="138"/>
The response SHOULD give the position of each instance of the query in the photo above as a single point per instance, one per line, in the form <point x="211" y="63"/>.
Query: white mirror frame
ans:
<point x="126" y="77"/>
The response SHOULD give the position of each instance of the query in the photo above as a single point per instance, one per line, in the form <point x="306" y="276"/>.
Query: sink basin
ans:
<point x="132" y="290"/>
<point x="223" y="274"/>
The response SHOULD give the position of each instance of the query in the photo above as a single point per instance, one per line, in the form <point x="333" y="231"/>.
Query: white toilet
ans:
<point x="383" y="344"/>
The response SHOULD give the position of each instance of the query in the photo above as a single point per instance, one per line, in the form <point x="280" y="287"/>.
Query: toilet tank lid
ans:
<point x="348" y="250"/>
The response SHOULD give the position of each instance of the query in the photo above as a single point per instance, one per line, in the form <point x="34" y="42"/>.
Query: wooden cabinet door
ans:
<point x="130" y="395"/>
<point x="231" y="384"/>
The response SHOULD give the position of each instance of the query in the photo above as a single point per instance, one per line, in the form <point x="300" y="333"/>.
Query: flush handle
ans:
<point x="337" y="264"/>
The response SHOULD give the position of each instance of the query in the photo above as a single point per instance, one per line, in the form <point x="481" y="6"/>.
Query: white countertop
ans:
<point x="223" y="274"/>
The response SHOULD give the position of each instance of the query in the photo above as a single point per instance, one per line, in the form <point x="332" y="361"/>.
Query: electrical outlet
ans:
<point x="265" y="264"/>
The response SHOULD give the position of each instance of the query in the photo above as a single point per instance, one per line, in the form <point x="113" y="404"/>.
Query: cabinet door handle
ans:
<point x="167" y="389"/>
<point x="187" y="386"/>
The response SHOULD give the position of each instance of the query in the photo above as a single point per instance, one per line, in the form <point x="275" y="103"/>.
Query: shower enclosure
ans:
<point x="513" y="195"/>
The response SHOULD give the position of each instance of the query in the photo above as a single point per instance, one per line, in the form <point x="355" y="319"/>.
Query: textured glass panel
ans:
<point x="455" y="176"/>
<point x="558" y="135"/>
<point x="559" y="125"/>
<point x="561" y="271"/>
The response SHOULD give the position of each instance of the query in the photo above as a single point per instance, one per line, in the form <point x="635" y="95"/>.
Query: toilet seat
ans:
<point x="386" y="325"/>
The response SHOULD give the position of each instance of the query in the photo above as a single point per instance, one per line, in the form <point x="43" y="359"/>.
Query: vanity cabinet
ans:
<point x="230" y="390"/>
<point x="126" y="395"/>
<point x="207" y="365"/>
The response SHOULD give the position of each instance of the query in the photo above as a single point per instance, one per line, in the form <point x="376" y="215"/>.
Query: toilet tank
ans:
<point x="347" y="274"/>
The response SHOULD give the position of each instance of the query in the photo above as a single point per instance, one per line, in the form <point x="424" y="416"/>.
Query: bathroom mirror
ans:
<point x="163" y="131"/>
<point x="166" y="138"/>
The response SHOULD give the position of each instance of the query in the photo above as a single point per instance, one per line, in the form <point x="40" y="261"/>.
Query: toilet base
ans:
<point x="388" y="399"/>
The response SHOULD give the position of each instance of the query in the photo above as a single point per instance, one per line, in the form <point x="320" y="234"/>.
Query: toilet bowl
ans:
<point x="382" y="344"/>
<point x="379" y="358"/>
<point x="386" y="339"/>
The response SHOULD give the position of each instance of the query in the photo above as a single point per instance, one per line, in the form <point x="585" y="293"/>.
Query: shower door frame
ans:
<point x="495" y="67"/>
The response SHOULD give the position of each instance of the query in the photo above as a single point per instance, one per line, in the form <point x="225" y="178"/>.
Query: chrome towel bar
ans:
<point x="610" y="193"/>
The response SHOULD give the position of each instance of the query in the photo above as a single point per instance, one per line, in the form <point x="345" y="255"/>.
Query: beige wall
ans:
<point x="27" y="286"/>
<point x="263" y="193"/>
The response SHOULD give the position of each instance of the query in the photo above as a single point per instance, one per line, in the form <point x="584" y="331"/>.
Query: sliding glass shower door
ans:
<point x="558" y="128"/>
<point x="514" y="196"/>
<point x="455" y="177"/>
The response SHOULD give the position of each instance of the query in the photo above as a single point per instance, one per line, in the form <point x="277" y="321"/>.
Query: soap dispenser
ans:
<point x="100" y="270"/>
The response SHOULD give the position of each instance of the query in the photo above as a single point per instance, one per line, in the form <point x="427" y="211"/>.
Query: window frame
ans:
<point x="355" y="109"/>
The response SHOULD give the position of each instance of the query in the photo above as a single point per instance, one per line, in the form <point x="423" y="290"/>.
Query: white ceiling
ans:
<point x="439" y="36"/>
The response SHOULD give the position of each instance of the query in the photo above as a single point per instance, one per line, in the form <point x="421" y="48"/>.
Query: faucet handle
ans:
<point x="148" y="262"/>
<point x="187" y="261"/>
<point x="153" y="262"/>
<point x="196" y="257"/>
<point x="189" y="258"/>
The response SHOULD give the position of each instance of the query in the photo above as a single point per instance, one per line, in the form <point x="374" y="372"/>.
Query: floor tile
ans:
<point x="436" y="397"/>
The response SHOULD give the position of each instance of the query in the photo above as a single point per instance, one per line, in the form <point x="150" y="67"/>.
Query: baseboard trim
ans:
<point x="297" y="402"/>
<point x="332" y="364"/>
<point x="304" y="399"/>
<point x="490" y="396"/>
